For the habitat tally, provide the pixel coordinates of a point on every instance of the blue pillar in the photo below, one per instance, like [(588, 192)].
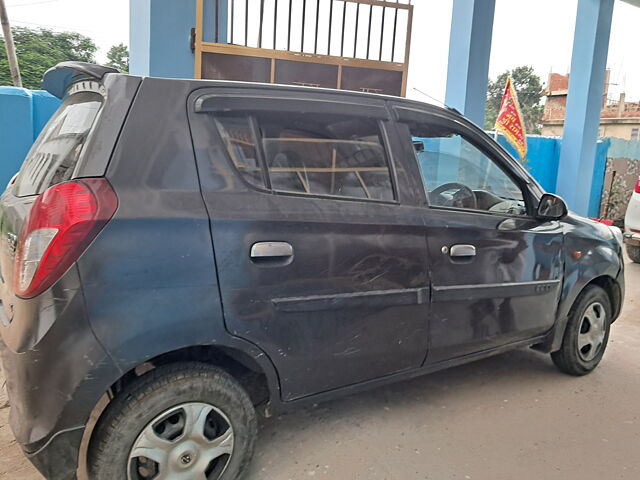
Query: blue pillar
[(586, 84), (160, 33), (469, 52)]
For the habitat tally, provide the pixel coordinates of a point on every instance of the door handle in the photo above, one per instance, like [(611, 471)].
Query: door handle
[(265, 250), (462, 251)]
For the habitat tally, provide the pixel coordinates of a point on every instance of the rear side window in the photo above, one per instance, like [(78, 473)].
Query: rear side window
[(313, 154), (325, 155), (54, 156), (238, 137)]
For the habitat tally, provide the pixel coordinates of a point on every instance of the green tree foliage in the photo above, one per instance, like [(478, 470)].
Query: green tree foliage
[(40, 49), (118, 57), (530, 92)]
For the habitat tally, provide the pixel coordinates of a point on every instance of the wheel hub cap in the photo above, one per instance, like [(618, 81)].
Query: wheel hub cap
[(193, 441), (592, 331)]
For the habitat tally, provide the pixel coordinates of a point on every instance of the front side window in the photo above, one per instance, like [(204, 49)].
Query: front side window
[(457, 174), (325, 155), (54, 156)]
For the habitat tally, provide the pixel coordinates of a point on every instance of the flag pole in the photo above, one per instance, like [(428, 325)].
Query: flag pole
[(11, 47)]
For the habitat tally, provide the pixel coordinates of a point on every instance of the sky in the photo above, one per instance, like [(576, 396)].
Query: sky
[(526, 32)]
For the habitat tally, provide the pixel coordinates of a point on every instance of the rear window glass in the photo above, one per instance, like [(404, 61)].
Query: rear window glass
[(54, 156)]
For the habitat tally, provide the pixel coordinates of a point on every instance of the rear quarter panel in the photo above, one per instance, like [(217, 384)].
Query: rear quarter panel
[(149, 278)]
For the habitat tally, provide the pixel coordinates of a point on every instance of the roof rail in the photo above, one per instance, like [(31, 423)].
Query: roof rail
[(57, 79)]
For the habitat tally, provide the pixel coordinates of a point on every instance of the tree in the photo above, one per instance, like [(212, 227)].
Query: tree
[(118, 57), (40, 49), (530, 91)]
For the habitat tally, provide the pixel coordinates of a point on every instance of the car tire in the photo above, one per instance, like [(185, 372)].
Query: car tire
[(634, 253), (587, 333), (178, 420)]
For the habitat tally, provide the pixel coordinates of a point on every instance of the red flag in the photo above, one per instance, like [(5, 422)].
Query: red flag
[(510, 121)]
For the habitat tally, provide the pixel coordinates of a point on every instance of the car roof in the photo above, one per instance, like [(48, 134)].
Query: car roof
[(58, 79)]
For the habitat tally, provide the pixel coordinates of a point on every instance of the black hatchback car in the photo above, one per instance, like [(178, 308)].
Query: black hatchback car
[(176, 253)]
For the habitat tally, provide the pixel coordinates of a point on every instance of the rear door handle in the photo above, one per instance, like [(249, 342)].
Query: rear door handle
[(264, 250), (462, 251)]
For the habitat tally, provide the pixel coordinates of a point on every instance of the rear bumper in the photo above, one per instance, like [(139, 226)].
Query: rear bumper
[(55, 383), (632, 239), (58, 459)]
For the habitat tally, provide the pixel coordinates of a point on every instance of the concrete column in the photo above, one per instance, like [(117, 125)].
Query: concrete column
[(160, 33), (584, 102), (469, 52), (621, 105)]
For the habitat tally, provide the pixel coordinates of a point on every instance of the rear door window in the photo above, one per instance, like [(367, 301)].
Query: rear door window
[(54, 156), (313, 154), (332, 155)]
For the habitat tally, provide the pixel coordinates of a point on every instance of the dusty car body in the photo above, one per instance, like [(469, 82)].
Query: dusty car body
[(215, 243)]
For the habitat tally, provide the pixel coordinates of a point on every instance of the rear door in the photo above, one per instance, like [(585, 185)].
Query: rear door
[(320, 264), (496, 271)]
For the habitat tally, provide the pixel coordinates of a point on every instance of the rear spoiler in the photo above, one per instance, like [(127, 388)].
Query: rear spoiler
[(57, 79)]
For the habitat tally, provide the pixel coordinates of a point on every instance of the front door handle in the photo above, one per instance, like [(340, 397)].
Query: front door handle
[(462, 251), (264, 250)]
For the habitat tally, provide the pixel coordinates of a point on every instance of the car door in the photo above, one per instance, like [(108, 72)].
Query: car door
[(496, 271), (319, 262)]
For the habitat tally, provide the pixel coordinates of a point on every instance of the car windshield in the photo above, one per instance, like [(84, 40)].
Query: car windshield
[(54, 156)]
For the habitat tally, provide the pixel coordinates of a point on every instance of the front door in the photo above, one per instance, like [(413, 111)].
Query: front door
[(496, 271), (319, 263)]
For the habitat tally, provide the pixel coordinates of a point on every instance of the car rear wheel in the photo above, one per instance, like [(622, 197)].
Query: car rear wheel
[(587, 333), (180, 422), (634, 253)]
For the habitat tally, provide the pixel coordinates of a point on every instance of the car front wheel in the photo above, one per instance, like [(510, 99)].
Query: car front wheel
[(587, 333), (180, 422)]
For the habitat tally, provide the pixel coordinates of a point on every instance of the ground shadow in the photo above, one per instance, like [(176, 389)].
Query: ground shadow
[(520, 365)]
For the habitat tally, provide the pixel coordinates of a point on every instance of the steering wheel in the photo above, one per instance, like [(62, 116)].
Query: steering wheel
[(463, 198)]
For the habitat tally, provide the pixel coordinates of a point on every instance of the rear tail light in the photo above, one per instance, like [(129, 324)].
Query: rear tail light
[(638, 185), (63, 221)]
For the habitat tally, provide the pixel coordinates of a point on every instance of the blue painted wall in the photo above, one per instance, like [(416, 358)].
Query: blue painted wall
[(619, 148), (597, 183), (543, 160), (23, 113)]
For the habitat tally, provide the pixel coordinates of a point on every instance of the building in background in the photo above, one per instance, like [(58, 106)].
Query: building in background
[(618, 118)]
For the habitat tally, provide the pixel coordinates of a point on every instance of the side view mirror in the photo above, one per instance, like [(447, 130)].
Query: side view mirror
[(551, 207), (418, 146)]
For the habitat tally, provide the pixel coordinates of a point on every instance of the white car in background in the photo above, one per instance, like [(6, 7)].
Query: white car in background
[(632, 225)]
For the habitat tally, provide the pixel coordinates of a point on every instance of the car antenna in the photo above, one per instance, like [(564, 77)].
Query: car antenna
[(439, 102)]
